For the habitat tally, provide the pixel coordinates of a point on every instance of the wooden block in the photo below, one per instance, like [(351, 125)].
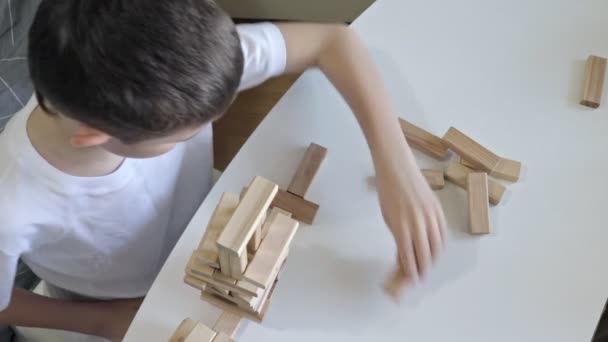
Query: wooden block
[(183, 330), (307, 170), (221, 337), (271, 216), (228, 323), (207, 249), (507, 169), (247, 216), (195, 282), (458, 173), (226, 296), (595, 72), (225, 262), (238, 264), (470, 150), (230, 307), (468, 164), (478, 203), (200, 333), (264, 267), (301, 209), (423, 141), (256, 239), (435, 178), (218, 280)]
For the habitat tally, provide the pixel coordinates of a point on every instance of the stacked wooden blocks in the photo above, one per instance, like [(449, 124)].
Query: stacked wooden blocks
[(472, 173), (237, 263)]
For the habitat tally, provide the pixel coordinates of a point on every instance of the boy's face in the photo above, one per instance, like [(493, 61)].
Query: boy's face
[(152, 147)]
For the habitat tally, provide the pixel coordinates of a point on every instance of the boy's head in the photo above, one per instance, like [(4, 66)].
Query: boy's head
[(137, 76)]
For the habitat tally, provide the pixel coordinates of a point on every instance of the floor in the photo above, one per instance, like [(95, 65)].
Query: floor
[(249, 109)]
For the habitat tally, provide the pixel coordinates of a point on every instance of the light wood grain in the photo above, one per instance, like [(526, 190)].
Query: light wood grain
[(183, 330), (595, 74), (271, 216), (221, 337), (423, 141), (200, 333), (458, 173), (307, 170), (264, 267), (301, 209), (207, 251), (195, 282), (228, 323), (479, 216), (435, 178), (470, 150), (507, 169)]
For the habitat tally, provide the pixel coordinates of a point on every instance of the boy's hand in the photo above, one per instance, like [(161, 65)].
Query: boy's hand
[(118, 317), (415, 218)]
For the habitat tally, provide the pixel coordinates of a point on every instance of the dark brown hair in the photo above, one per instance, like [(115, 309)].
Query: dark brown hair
[(135, 69)]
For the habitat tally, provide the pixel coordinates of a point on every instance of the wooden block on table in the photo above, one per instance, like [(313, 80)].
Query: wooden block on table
[(225, 296), (183, 330), (228, 323), (479, 215), (207, 251), (271, 216), (507, 169), (225, 260), (470, 150), (221, 337), (201, 333), (458, 173), (238, 264), (307, 170), (241, 226), (218, 280), (435, 178), (424, 141), (266, 263), (595, 73), (301, 209), (256, 239)]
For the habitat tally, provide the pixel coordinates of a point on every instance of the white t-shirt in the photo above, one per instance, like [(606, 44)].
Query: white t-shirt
[(107, 237)]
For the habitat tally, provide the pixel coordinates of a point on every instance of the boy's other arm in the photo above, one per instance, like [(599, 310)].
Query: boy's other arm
[(410, 209), (109, 319)]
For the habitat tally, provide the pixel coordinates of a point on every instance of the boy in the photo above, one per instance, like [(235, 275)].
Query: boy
[(105, 166)]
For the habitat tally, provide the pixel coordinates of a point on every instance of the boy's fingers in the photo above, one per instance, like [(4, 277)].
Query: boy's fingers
[(421, 246), (407, 256), (396, 282), (435, 239)]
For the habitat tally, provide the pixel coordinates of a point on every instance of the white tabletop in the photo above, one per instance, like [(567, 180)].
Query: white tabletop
[(508, 73)]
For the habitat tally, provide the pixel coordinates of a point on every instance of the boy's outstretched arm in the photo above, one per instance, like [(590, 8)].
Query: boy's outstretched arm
[(410, 209), (109, 319)]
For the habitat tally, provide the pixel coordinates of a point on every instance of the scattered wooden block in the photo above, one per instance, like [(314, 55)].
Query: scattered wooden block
[(478, 203), (217, 280), (301, 209), (595, 72), (481, 157), (183, 330), (424, 141), (240, 228), (435, 178), (507, 169), (264, 267), (458, 173), (307, 170), (228, 323), (200, 333), (468, 164), (207, 251)]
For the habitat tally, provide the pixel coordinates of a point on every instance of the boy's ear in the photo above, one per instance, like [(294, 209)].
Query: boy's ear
[(86, 136)]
